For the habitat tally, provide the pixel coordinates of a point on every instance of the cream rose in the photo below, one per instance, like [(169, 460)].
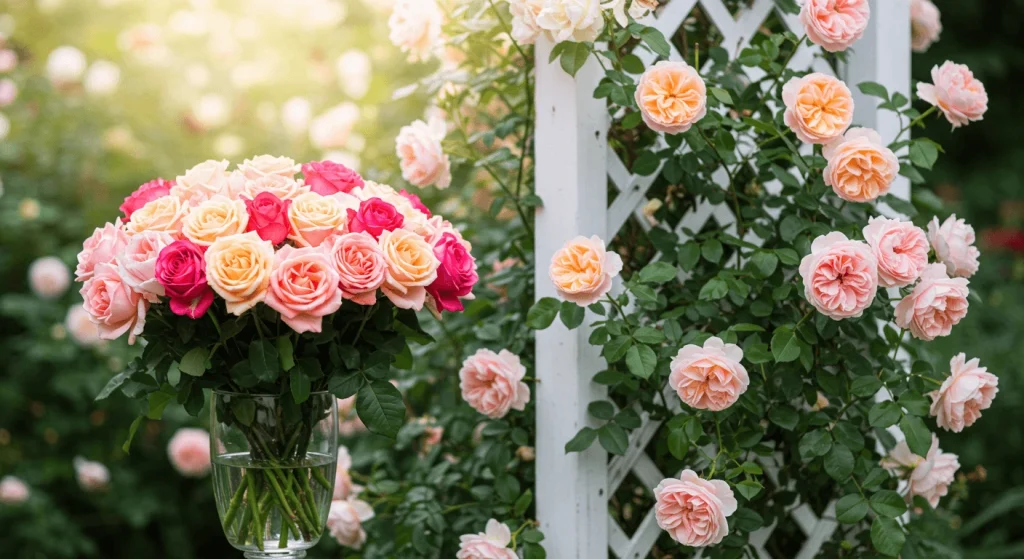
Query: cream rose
[(956, 92), (202, 182), (576, 20), (925, 24), (492, 383), (264, 165), (314, 218), (672, 97), (238, 268), (709, 377), (422, 159), (411, 267), (163, 214), (215, 218), (282, 187), (415, 27)]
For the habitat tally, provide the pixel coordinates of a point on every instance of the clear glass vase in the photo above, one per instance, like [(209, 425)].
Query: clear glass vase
[(273, 470)]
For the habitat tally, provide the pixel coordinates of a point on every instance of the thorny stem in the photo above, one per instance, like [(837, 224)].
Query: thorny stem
[(931, 110)]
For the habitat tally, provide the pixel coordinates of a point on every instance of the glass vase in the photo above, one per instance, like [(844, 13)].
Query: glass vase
[(274, 463)]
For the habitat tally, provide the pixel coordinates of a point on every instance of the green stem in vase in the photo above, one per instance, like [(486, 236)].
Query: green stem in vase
[(318, 476), (282, 542), (243, 530), (236, 501), (283, 501), (254, 503)]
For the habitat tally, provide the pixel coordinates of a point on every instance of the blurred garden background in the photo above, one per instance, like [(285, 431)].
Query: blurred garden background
[(99, 96)]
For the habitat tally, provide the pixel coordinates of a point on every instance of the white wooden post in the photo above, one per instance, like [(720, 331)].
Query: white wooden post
[(571, 171)]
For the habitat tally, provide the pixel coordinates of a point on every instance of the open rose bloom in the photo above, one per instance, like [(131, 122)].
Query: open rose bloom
[(840, 276), (928, 476), (693, 510), (709, 377), (582, 270), (819, 108), (835, 25), (936, 304), (968, 390), (956, 92), (492, 543)]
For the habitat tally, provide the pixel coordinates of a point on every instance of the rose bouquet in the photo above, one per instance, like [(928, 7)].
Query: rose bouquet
[(278, 293)]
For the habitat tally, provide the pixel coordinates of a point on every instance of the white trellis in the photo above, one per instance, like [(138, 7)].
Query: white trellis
[(574, 165)]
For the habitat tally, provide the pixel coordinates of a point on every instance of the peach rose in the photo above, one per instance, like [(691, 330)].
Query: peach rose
[(925, 24), (956, 92), (415, 27), (692, 510), (953, 242), (162, 214), (929, 477), (900, 248), (860, 167), (422, 159), (238, 268), (969, 389), (314, 217), (343, 487), (524, 20), (264, 165), (492, 543), (411, 267), (840, 276), (819, 108), (835, 25), (935, 305), (92, 476), (345, 521), (709, 378), (81, 327), (137, 264), (282, 187), (303, 288), (492, 383), (215, 218), (105, 245), (582, 270), (112, 304), (202, 182), (13, 491), (189, 452), (48, 277), (672, 97), (360, 264)]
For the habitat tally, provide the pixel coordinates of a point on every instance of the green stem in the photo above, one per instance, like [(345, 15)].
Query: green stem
[(916, 121), (318, 476), (236, 501), (254, 500), (283, 501), (282, 541)]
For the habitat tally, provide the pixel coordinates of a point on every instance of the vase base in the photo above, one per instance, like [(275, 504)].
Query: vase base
[(283, 554)]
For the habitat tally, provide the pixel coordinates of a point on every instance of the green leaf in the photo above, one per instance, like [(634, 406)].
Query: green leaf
[(613, 438), (888, 504), (542, 313), (641, 360), (656, 41), (865, 386), (648, 335), (507, 488), (194, 362), (914, 403), (887, 536), (299, 384), (310, 366), (788, 256), (285, 352), (380, 406), (632, 64), (757, 354), (712, 251), (658, 272), (721, 94), (571, 314), (785, 345), (884, 414), (784, 416), (112, 385), (814, 444), (848, 435), (678, 443), (923, 153), (157, 402), (126, 447), (522, 503), (714, 289), (615, 349), (244, 410), (601, 409), (748, 488), (581, 441), (693, 428), (839, 463), (919, 439), (574, 56), (688, 254), (874, 89), (851, 509), (263, 360), (344, 386), (764, 263)]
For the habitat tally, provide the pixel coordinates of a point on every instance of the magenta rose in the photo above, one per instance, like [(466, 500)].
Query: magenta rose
[(157, 188), (456, 275), (268, 217), (181, 269), (415, 201), (327, 177), (374, 216)]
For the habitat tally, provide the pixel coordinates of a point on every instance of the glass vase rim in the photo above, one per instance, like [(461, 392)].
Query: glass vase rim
[(263, 395)]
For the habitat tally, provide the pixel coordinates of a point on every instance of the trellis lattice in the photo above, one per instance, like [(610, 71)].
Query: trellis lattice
[(574, 161)]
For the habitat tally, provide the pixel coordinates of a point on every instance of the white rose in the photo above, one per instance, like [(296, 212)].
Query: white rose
[(331, 129), (65, 66), (577, 20), (416, 27), (102, 78), (423, 160), (354, 73)]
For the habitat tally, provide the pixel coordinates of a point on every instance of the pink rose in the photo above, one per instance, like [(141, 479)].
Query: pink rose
[(48, 277), (105, 245), (327, 177), (81, 327), (929, 477), (956, 93), (489, 544), (422, 157), (137, 265), (345, 521), (935, 305), (835, 25), (953, 242), (492, 383), (582, 270), (8, 92), (456, 275), (900, 248), (693, 510), (92, 476), (157, 188), (840, 276), (709, 378), (969, 389), (112, 305), (268, 217), (343, 487), (303, 288), (189, 451), (13, 491), (374, 216), (181, 270), (415, 201), (925, 24), (360, 265), (8, 60)]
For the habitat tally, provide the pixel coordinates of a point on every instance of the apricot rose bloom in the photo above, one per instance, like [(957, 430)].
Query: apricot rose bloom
[(693, 510), (925, 24), (835, 25), (956, 92), (314, 218), (238, 268), (901, 249), (860, 167), (819, 108), (412, 266), (422, 158), (492, 543), (217, 217), (113, 305), (709, 377), (929, 476), (303, 288), (936, 304), (189, 452), (492, 383), (582, 270), (840, 276), (162, 214), (970, 388), (672, 97), (953, 242)]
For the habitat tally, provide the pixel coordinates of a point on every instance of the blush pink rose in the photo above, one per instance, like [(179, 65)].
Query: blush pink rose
[(901, 249), (819, 108), (13, 491), (956, 92), (81, 327), (105, 245), (492, 543), (970, 388), (137, 265), (48, 277), (422, 158), (181, 270), (327, 177), (929, 477), (343, 487), (112, 305), (456, 275), (693, 510), (835, 25), (709, 377), (268, 217), (345, 521), (374, 217), (582, 270), (860, 167), (935, 305), (925, 24), (840, 276), (953, 242), (8, 92), (415, 201), (92, 476), (189, 451), (360, 264), (157, 188), (303, 288), (492, 383)]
